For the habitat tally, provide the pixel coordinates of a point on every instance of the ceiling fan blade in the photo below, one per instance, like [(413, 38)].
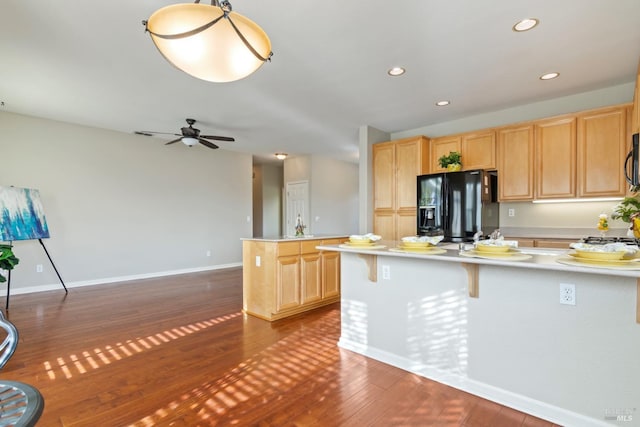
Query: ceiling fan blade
[(151, 133), (218, 138), (207, 143), (174, 141)]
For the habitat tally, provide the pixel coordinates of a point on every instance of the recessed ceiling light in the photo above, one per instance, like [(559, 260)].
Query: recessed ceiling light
[(549, 76), (443, 103), (525, 25), (396, 71), (281, 156)]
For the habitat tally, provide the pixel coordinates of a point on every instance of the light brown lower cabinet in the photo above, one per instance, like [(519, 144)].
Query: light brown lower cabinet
[(283, 278), (524, 242)]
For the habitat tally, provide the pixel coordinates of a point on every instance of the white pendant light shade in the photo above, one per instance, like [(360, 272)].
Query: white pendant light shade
[(200, 40)]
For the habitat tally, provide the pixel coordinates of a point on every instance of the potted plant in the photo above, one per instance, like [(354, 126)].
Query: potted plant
[(452, 161), (7, 260), (628, 210)]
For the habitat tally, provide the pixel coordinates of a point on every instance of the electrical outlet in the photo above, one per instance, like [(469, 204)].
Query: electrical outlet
[(512, 212), (208, 253), (386, 272), (257, 260), (567, 293), (39, 268)]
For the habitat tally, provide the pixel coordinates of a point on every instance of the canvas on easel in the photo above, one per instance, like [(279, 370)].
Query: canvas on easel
[(21, 215), (22, 218)]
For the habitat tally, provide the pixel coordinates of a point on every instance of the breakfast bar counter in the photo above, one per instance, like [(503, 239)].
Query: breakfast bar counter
[(495, 327)]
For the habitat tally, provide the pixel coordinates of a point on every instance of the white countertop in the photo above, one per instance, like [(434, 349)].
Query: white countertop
[(290, 238), (542, 259)]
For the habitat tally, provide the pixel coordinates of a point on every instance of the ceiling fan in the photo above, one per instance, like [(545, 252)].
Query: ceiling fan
[(190, 136)]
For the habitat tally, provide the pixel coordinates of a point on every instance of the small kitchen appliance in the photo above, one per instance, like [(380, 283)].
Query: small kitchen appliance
[(632, 175)]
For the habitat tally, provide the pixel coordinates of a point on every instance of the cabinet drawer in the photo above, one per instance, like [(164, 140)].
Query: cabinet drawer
[(554, 243), (309, 246), (288, 248), (334, 241)]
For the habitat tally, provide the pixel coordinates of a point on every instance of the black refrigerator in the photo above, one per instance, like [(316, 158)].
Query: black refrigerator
[(458, 204)]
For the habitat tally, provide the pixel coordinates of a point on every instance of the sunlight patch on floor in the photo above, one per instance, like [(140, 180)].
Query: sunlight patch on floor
[(87, 360)]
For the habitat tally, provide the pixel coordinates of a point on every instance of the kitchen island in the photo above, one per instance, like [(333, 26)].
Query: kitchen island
[(283, 276), (496, 328)]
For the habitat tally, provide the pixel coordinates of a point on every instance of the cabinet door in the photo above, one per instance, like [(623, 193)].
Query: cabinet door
[(515, 163), (384, 224), (384, 172), (408, 159), (601, 153), (406, 223), (310, 278), (556, 158), (442, 146), (287, 282), (330, 274), (479, 150), (553, 244)]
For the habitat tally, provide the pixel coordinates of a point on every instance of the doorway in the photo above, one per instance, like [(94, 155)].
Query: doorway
[(297, 203)]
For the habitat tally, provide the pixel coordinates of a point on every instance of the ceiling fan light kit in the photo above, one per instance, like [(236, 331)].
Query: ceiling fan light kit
[(187, 140), (209, 42)]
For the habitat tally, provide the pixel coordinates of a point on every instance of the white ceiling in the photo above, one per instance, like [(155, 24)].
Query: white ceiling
[(91, 63)]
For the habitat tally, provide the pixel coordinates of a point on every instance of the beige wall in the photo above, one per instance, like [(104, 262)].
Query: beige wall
[(333, 192), (267, 200), (121, 205)]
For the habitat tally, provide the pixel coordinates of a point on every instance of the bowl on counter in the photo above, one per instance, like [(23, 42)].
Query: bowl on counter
[(600, 255), (495, 246), (420, 242), (607, 252), (363, 240)]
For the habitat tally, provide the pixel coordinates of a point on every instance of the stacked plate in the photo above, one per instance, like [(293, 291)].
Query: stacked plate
[(419, 244), (614, 254), (498, 248), (363, 241)]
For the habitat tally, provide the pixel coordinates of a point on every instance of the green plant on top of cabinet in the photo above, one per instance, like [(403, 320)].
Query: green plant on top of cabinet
[(478, 150), (440, 147)]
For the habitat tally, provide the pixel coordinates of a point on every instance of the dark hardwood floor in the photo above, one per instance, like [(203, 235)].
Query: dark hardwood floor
[(178, 351)]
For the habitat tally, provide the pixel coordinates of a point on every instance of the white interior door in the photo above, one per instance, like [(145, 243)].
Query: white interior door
[(297, 201)]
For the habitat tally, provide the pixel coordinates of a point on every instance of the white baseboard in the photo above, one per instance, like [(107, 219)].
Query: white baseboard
[(516, 401), (103, 281)]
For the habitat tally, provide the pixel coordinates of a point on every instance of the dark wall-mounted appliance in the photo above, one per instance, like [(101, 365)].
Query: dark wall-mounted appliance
[(631, 168), (458, 204)]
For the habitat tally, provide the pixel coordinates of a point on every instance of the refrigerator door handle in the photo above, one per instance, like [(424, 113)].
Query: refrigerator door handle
[(445, 204)]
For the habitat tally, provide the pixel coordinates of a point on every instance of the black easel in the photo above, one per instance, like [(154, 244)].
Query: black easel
[(52, 264)]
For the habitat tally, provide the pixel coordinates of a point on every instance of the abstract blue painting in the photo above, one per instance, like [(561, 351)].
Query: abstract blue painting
[(21, 215)]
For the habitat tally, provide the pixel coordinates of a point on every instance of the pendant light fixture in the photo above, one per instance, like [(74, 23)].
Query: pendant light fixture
[(209, 42)]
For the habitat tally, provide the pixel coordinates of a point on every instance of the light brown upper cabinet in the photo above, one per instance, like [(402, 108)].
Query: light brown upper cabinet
[(478, 150), (443, 146), (515, 163), (384, 171), (602, 145), (396, 166), (555, 150)]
